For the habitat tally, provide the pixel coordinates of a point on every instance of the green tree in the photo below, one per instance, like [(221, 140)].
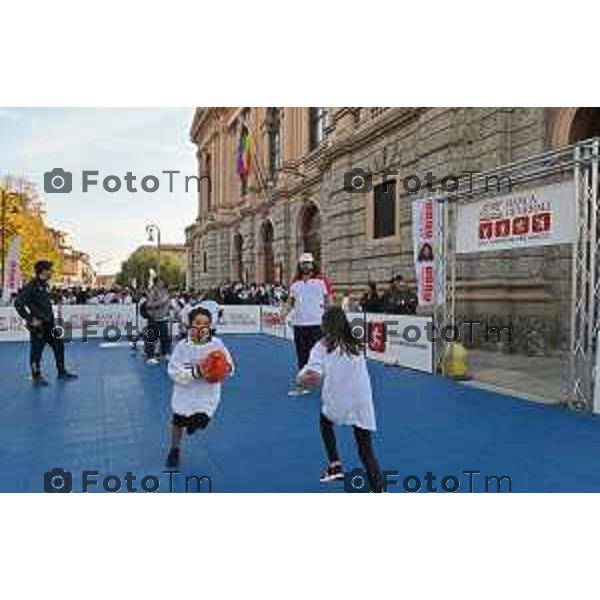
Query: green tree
[(138, 265)]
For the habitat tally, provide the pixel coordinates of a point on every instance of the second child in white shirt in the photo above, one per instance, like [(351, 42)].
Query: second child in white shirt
[(338, 363)]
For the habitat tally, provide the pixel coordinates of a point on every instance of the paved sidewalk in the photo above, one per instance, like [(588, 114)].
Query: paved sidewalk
[(538, 378)]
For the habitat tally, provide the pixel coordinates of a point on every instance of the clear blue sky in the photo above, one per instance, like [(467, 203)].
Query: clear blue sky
[(145, 141)]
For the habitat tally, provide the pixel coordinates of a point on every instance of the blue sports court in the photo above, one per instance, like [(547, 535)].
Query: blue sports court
[(115, 420)]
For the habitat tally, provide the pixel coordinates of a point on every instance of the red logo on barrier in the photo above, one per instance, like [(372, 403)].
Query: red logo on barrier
[(520, 225), (377, 337), (541, 222), (503, 228), (486, 230)]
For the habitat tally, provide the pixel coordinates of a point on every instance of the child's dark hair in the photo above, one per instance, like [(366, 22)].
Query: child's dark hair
[(337, 332), (200, 310)]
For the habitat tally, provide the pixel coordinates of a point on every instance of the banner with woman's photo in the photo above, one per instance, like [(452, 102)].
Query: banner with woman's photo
[(425, 243)]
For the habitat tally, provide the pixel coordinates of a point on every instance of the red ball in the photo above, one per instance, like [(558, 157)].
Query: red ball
[(215, 368), (310, 378)]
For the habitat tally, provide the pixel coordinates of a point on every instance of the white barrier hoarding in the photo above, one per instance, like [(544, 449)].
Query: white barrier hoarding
[(95, 317), (392, 337), (239, 319), (11, 326), (93, 320), (537, 217), (401, 340), (272, 322)]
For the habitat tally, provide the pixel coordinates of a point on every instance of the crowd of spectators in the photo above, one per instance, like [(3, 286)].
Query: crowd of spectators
[(397, 299), (227, 293)]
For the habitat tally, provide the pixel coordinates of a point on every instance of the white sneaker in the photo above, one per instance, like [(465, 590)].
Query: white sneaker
[(332, 472), (298, 391), (153, 361)]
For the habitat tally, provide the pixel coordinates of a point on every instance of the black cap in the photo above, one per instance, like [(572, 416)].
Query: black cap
[(42, 265)]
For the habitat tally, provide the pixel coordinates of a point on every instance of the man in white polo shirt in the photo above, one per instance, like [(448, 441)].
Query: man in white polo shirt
[(309, 294)]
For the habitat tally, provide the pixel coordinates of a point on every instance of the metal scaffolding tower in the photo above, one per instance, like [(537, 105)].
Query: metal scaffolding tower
[(579, 163)]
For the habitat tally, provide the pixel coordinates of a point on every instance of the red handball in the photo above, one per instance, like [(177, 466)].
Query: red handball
[(215, 368), (309, 378)]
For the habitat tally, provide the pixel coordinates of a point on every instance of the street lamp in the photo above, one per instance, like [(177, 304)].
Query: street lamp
[(151, 230)]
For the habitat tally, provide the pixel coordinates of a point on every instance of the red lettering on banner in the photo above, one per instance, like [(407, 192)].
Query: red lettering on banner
[(273, 319), (427, 221), (427, 283)]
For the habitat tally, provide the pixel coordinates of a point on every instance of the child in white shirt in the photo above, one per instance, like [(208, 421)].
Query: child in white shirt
[(338, 362), (194, 399)]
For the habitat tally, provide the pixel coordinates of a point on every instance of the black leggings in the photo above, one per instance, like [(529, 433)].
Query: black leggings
[(39, 338), (365, 450), (305, 337)]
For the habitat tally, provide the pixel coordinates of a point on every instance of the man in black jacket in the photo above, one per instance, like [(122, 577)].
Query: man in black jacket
[(34, 306), (399, 300)]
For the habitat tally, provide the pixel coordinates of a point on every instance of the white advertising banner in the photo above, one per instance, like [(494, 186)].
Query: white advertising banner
[(536, 217), (11, 325), (272, 322), (424, 215), (239, 319), (96, 318), (394, 339), (401, 340)]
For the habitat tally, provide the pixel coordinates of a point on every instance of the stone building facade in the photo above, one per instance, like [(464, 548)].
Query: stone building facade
[(295, 198)]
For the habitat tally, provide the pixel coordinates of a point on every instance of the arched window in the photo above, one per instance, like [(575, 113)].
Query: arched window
[(310, 231), (585, 125)]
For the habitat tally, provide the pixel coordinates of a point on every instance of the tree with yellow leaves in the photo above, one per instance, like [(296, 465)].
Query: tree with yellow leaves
[(23, 216)]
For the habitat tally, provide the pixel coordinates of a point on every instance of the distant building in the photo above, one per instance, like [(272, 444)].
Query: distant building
[(76, 268), (106, 281)]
